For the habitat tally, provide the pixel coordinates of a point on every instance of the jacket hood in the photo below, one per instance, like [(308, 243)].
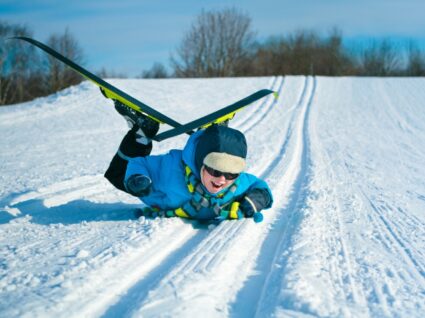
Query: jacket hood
[(189, 153)]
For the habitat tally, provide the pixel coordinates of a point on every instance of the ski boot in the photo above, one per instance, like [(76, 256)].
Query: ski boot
[(146, 127)]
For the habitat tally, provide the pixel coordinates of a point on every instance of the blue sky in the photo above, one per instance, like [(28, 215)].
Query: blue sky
[(129, 35)]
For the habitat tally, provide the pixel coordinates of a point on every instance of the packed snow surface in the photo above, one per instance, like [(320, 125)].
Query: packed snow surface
[(344, 157)]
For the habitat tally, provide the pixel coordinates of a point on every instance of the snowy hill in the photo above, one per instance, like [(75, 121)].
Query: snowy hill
[(345, 158)]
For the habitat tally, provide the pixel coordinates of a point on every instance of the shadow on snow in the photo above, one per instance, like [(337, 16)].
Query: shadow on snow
[(72, 212)]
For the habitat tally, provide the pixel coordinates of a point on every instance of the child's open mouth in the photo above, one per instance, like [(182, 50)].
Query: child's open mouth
[(216, 186)]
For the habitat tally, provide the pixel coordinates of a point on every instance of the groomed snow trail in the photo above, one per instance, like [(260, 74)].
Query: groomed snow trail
[(345, 237)]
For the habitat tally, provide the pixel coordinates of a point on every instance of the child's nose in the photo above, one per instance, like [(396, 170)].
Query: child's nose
[(221, 179)]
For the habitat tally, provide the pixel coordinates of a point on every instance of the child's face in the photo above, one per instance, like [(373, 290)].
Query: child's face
[(214, 184)]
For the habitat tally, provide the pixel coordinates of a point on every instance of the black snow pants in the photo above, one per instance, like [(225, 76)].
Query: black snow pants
[(129, 148)]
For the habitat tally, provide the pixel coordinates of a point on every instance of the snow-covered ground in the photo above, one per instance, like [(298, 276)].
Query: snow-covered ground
[(345, 158)]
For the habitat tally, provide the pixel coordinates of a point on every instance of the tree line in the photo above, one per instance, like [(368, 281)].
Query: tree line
[(25, 73), (222, 43), (218, 44)]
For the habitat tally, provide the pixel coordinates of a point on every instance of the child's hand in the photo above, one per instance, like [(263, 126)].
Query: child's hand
[(138, 185), (254, 201)]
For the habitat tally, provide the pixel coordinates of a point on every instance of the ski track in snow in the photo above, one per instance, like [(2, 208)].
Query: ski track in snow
[(71, 248), (293, 180)]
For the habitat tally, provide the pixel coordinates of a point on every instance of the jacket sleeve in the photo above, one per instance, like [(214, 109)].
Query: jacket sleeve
[(138, 165), (157, 168), (149, 166)]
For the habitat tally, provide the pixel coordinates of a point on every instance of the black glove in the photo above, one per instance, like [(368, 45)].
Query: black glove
[(138, 185), (254, 201)]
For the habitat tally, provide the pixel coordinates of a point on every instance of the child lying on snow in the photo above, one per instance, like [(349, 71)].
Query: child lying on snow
[(204, 181)]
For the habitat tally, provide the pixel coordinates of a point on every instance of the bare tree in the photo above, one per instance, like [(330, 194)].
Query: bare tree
[(381, 59), (156, 71), (18, 64), (217, 44), (106, 73), (415, 61), (333, 59), (302, 52), (26, 74), (5, 78), (59, 76)]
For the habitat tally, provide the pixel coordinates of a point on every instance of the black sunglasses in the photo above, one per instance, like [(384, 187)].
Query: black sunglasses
[(217, 174)]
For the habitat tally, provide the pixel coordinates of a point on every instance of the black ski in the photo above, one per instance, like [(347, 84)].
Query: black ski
[(227, 113)]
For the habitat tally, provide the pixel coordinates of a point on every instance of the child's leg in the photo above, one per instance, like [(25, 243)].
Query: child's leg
[(137, 143), (129, 148)]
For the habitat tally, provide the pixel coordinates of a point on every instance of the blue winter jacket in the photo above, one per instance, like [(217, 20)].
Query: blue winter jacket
[(167, 172)]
